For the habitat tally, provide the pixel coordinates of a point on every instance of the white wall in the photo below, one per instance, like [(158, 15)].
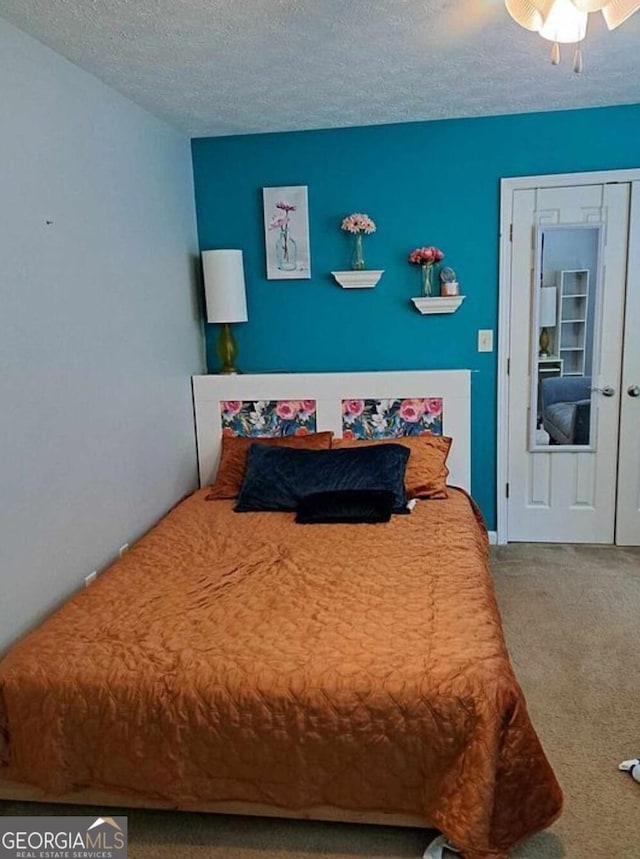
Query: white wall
[(99, 326)]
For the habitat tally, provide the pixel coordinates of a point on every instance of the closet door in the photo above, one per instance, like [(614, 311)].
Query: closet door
[(628, 503), (568, 271)]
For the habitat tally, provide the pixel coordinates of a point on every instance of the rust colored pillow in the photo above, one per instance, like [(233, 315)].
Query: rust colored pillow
[(233, 458), (426, 474)]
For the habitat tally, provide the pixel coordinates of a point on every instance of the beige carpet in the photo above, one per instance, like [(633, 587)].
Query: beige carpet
[(572, 620)]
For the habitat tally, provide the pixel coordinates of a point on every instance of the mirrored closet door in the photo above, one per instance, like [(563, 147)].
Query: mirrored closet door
[(570, 466)]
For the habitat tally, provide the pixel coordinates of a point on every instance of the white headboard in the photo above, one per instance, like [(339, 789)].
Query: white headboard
[(328, 390)]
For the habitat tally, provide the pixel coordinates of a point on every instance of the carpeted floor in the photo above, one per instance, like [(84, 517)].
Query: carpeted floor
[(572, 620)]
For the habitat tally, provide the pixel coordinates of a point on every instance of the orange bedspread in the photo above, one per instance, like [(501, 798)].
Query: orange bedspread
[(244, 657)]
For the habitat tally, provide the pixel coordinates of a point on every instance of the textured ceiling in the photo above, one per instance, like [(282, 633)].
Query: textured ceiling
[(217, 67)]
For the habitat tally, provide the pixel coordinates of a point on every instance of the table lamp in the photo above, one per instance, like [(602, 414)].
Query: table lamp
[(548, 309), (226, 299)]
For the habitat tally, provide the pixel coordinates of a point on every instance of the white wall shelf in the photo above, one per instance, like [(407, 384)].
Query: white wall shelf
[(357, 279), (574, 306), (438, 304)]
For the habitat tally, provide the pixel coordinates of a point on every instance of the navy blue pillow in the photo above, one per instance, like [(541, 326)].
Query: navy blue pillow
[(346, 505), (276, 478)]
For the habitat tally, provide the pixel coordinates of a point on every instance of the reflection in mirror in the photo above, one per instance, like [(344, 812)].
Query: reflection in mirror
[(564, 321)]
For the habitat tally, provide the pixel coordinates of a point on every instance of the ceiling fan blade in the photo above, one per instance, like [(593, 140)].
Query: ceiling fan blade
[(530, 14), (616, 12), (590, 5)]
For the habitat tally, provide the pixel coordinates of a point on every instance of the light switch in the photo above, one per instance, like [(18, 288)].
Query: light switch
[(485, 340)]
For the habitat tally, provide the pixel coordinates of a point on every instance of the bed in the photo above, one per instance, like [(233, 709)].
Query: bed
[(245, 663)]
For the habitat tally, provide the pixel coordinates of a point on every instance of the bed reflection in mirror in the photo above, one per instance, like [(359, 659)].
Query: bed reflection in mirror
[(564, 335)]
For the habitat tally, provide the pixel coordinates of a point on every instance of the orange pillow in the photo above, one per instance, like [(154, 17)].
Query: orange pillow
[(426, 474), (233, 458)]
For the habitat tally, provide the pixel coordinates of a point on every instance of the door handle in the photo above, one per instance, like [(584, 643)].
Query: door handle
[(608, 391), (633, 390)]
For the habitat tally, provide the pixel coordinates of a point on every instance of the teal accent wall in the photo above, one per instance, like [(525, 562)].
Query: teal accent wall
[(423, 183)]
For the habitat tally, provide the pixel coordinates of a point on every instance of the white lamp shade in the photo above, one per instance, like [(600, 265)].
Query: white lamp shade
[(548, 303), (224, 286)]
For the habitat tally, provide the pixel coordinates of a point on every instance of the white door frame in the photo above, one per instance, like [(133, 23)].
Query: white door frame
[(507, 187)]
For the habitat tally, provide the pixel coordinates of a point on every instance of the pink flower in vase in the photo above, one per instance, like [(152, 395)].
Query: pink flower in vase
[(358, 223), (426, 256)]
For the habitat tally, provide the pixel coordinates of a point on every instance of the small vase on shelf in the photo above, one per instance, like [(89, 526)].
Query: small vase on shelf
[(358, 225), (357, 262), (427, 281)]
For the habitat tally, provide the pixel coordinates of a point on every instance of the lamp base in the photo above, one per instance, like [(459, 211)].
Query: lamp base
[(543, 343), (227, 351)]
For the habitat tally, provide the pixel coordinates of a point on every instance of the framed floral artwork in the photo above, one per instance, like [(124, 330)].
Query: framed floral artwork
[(286, 232), (369, 419), (267, 418)]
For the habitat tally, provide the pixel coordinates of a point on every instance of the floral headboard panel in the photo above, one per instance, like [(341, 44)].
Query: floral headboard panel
[(369, 419), (361, 405), (267, 418)]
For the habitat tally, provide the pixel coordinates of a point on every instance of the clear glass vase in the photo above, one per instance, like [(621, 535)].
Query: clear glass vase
[(427, 281), (286, 251), (357, 262)]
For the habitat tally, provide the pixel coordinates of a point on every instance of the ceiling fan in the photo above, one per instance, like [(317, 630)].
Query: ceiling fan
[(565, 21)]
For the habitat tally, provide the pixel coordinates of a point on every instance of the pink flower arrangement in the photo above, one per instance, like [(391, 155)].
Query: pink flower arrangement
[(231, 407), (358, 223), (426, 256)]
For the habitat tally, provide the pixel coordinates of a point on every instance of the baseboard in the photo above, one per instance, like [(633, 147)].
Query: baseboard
[(493, 538)]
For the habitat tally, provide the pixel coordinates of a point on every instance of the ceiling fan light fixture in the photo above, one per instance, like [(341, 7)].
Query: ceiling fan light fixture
[(564, 23), (536, 15), (555, 20)]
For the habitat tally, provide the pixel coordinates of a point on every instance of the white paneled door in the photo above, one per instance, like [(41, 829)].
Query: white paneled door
[(628, 502), (565, 382)]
